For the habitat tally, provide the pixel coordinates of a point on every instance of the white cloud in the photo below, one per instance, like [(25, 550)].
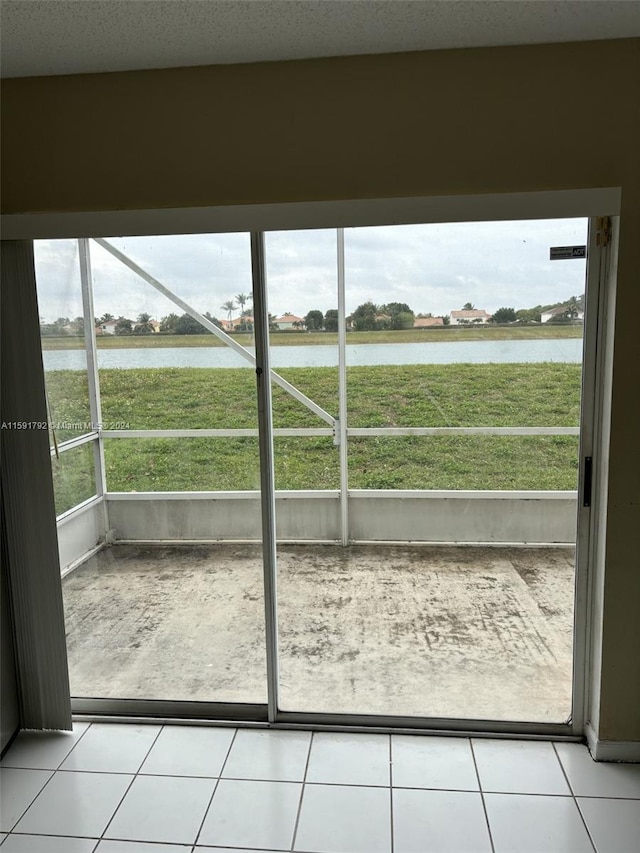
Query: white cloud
[(434, 268)]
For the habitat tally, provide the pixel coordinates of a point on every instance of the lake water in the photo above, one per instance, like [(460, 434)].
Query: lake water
[(450, 352)]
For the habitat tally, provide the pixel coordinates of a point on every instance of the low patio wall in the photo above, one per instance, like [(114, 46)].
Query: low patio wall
[(374, 516), (80, 530)]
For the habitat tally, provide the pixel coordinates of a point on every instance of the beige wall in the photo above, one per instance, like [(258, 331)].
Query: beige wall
[(446, 122)]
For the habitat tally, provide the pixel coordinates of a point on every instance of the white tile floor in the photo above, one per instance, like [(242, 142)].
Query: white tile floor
[(110, 788)]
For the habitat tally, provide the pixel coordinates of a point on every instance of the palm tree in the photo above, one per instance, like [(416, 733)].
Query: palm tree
[(242, 299), (143, 325), (229, 306), (572, 308)]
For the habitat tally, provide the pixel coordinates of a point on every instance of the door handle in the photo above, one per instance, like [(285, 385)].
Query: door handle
[(588, 478)]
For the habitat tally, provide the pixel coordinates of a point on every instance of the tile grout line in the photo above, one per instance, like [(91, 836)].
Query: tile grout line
[(271, 781), (129, 786), (215, 788), (41, 770), (54, 769), (582, 818), (601, 797), (74, 746), (574, 798), (192, 846), (302, 790), (484, 805), (22, 814), (319, 784)]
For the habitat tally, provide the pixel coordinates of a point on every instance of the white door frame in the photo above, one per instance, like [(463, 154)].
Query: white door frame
[(598, 202)]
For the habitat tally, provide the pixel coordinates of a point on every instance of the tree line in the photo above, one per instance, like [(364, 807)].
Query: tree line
[(367, 317), (172, 324), (573, 307)]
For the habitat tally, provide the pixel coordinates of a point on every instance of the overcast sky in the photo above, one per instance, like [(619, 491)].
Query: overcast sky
[(433, 268)]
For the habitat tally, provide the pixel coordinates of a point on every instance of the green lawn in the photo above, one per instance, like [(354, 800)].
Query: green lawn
[(295, 338), (73, 477), (541, 394), (455, 395)]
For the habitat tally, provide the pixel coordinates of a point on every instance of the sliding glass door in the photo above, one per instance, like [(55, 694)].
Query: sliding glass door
[(433, 573), (173, 608), (326, 475)]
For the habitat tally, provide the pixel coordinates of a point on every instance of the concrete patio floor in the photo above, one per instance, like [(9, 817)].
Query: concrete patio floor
[(443, 631)]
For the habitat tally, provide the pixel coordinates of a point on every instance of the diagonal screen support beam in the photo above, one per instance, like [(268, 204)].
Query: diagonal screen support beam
[(211, 327)]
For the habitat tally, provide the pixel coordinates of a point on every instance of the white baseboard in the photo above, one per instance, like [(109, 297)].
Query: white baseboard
[(611, 750)]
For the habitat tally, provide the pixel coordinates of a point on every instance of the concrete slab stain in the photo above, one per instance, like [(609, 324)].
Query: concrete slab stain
[(425, 630)]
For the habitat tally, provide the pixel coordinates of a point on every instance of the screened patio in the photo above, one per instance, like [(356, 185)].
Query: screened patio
[(428, 602), (422, 631)]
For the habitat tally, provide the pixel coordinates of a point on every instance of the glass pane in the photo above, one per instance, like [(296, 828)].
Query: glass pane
[(159, 367), (209, 271), (302, 298), (495, 462), (73, 477), (543, 394), (306, 463), (181, 464), (179, 398), (449, 325), (302, 301), (182, 622), (185, 620), (318, 383), (62, 335), (426, 631)]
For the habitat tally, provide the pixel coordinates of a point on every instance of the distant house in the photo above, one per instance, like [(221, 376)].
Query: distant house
[(108, 328), (236, 323), (287, 321), (426, 322), (475, 316), (155, 325), (545, 316)]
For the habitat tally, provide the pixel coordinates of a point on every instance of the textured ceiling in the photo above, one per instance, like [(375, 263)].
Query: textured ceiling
[(80, 36)]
